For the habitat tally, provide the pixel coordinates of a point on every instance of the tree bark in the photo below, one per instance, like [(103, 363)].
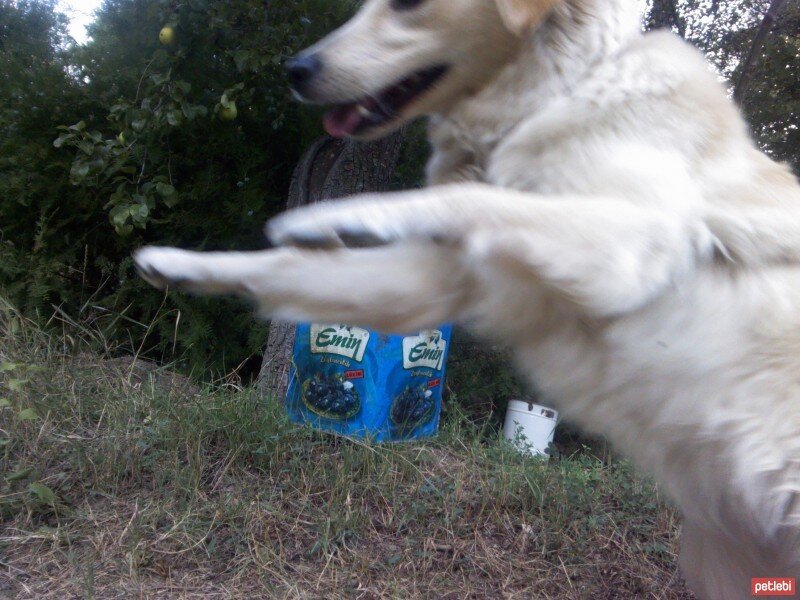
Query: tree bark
[(664, 14), (329, 169), (755, 50)]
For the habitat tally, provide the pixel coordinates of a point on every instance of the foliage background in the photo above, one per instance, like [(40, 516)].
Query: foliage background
[(119, 143), (145, 158)]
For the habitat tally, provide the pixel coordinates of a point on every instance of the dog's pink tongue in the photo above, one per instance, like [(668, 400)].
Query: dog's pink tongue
[(343, 121)]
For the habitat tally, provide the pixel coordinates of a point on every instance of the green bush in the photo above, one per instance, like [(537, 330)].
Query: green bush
[(125, 142)]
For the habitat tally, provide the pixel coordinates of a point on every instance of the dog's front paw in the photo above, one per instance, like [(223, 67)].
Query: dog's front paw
[(354, 223), (165, 267), (361, 222)]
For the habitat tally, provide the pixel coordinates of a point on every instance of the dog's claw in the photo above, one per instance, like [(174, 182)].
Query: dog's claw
[(148, 272), (361, 238), (145, 261), (310, 241), (279, 234), (362, 222), (307, 229)]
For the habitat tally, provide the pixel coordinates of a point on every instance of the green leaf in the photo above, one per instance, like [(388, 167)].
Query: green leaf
[(174, 117), (20, 474), (62, 139), (241, 58), (79, 171), (29, 414), (192, 111), (86, 147), (159, 78), (138, 124), (165, 189), (119, 215), (43, 493), (8, 366), (5, 403), (16, 384), (140, 213)]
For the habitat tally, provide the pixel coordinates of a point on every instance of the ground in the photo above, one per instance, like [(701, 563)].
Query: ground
[(121, 480)]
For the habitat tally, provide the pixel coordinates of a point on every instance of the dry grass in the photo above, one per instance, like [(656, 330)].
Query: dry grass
[(164, 490)]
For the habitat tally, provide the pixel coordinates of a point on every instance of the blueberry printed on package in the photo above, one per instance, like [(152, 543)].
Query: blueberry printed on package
[(331, 397), (358, 382), (413, 407)]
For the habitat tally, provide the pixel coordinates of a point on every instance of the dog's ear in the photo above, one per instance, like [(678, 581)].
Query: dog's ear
[(520, 16)]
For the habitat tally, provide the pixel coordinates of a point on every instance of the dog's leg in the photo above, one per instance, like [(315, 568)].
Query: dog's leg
[(449, 250), (608, 256), (718, 564), (404, 287)]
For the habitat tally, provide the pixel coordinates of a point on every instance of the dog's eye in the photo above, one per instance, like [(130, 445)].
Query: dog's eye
[(406, 4)]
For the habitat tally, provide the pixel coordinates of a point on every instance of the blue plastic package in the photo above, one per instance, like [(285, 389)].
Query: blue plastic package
[(361, 383)]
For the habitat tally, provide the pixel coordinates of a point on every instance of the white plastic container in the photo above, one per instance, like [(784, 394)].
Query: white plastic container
[(530, 427)]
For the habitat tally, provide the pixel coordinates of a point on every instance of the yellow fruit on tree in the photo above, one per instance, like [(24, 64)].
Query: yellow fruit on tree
[(229, 112), (166, 36)]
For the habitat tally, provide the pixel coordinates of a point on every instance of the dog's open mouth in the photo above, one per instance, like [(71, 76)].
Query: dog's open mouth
[(374, 111)]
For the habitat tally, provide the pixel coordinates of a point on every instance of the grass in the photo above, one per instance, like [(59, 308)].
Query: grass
[(120, 480)]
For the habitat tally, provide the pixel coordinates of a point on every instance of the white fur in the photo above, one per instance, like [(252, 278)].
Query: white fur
[(607, 217)]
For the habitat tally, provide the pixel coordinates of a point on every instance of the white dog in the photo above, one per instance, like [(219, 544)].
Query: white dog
[(596, 204)]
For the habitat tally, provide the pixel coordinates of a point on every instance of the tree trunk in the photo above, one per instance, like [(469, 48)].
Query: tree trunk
[(755, 51), (664, 15), (329, 169)]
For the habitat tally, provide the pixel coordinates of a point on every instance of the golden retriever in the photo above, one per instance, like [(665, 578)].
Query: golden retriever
[(596, 204)]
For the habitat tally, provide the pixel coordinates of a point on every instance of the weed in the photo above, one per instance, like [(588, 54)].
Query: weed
[(116, 480)]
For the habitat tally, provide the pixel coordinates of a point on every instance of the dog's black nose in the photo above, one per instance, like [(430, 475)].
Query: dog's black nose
[(302, 69)]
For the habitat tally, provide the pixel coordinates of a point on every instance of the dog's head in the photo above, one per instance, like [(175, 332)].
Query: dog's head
[(400, 59)]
